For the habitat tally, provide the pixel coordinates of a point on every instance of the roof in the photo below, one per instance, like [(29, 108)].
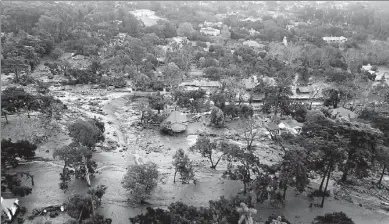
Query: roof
[(202, 83), (272, 126), (290, 124), (177, 119), (335, 38), (269, 80), (305, 89), (249, 84), (342, 112), (253, 43)]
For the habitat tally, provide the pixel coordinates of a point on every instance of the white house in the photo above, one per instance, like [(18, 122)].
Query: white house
[(253, 43), (368, 68), (210, 31), (331, 39), (291, 126)]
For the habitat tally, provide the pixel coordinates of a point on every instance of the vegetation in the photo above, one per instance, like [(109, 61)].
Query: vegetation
[(206, 148), (11, 154), (183, 166), (140, 180), (270, 70)]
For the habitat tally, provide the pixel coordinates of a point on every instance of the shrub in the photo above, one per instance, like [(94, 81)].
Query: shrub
[(183, 166), (118, 82), (140, 180), (24, 80), (57, 53), (217, 117), (333, 218), (246, 111)]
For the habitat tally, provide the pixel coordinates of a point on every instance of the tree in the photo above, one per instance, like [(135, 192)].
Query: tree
[(246, 111), (157, 102), (140, 180), (172, 74), (206, 148), (277, 99), (183, 165), (16, 65), (13, 99), (246, 214), (333, 218), (362, 142), (251, 132), (383, 158), (219, 99), (217, 117), (219, 211), (82, 207), (294, 171), (11, 153), (57, 53), (141, 81), (77, 161), (248, 164), (185, 29), (326, 147), (85, 133)]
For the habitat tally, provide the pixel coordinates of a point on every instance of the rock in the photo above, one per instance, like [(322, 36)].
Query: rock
[(360, 205), (47, 151), (120, 150)]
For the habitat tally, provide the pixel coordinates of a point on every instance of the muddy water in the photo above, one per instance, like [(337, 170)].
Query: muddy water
[(111, 167)]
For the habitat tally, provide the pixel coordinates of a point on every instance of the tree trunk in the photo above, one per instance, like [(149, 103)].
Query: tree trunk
[(217, 162), (79, 218), (86, 172), (212, 165), (284, 194), (345, 174), (325, 189), (6, 119), (16, 75), (382, 175), (322, 181), (175, 173)]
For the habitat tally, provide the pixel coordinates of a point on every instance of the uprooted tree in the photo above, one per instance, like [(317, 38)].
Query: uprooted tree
[(77, 156)]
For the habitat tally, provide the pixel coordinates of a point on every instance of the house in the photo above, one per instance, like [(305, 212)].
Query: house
[(9, 208), (250, 83), (337, 40), (78, 57), (254, 44), (256, 98), (211, 24), (253, 32), (343, 113), (270, 81), (143, 13), (367, 68), (304, 90), (291, 126), (208, 86), (210, 31), (177, 121)]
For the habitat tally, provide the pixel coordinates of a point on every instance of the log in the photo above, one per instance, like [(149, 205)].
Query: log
[(86, 172)]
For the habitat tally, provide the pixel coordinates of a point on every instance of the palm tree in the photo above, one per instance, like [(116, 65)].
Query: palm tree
[(246, 214)]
